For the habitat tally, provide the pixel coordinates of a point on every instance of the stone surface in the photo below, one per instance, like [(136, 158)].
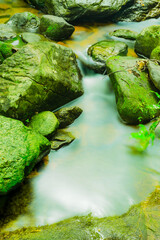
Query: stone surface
[(61, 138), (44, 123), (147, 40), (67, 115), (140, 222), (140, 10), (124, 33), (155, 54), (6, 32), (80, 10), (6, 50), (31, 37), (102, 50), (20, 149), (39, 77), (25, 21), (135, 100), (55, 28), (154, 73)]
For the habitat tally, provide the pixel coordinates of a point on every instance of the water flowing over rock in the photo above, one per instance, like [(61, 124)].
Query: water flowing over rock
[(135, 99), (39, 77), (20, 149)]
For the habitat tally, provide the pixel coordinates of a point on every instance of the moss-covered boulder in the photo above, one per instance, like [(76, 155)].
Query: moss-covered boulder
[(124, 33), (44, 123), (39, 77), (6, 50), (147, 40), (55, 28), (80, 10), (139, 10), (24, 21), (20, 149), (141, 222), (154, 73), (135, 99), (6, 32), (67, 115), (28, 37), (102, 50), (155, 54)]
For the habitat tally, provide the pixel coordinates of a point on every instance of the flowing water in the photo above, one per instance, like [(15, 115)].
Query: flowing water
[(98, 172)]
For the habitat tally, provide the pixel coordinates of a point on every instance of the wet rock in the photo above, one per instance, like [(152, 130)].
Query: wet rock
[(155, 54), (44, 123), (124, 33), (25, 21), (147, 40), (21, 148), (139, 11), (80, 10), (6, 50), (61, 138), (55, 28), (154, 73), (67, 115), (31, 37), (125, 227), (6, 32), (39, 77), (135, 100), (102, 50)]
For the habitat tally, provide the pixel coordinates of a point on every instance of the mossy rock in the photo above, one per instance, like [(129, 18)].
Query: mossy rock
[(25, 21), (102, 50), (67, 115), (39, 77), (6, 32), (28, 37), (124, 33), (6, 50), (154, 73), (141, 222), (44, 123), (155, 54), (136, 101), (55, 28), (147, 40), (21, 148)]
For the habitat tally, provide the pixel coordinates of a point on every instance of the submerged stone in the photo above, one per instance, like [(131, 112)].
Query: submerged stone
[(154, 73), (124, 33), (25, 21), (39, 77), (67, 115), (80, 10), (20, 149), (155, 54), (61, 138), (102, 50), (135, 99), (6, 32), (44, 123), (140, 222), (147, 40), (55, 28)]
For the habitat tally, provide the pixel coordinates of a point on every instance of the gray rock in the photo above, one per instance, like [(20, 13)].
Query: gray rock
[(6, 32), (67, 115), (25, 21), (55, 28), (20, 149), (147, 40), (154, 73), (39, 77), (61, 138)]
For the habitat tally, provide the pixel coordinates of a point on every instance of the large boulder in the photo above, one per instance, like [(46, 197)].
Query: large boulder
[(25, 21), (136, 101), (55, 28), (39, 77), (140, 10), (102, 50), (147, 40), (80, 10), (155, 54), (20, 149)]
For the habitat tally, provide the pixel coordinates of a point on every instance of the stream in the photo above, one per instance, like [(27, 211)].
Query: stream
[(97, 173)]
